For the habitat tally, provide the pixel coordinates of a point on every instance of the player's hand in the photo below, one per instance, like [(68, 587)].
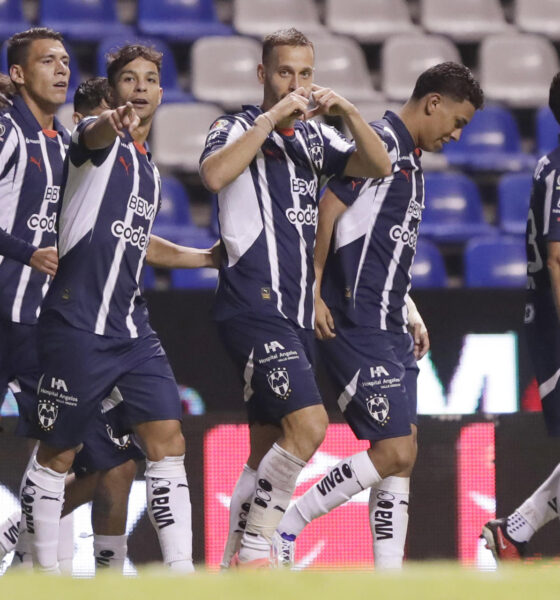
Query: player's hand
[(421, 339), (328, 102), (324, 323), (124, 117), (216, 255), (294, 105), (45, 260)]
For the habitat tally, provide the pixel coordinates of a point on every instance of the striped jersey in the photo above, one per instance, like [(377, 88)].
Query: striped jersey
[(110, 198), (367, 274), (31, 167), (543, 223), (268, 217)]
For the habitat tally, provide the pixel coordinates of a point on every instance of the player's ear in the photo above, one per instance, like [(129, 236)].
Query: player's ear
[(160, 95), (77, 117), (260, 72), (16, 74), (432, 101)]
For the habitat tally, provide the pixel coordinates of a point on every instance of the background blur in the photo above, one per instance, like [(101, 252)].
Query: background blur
[(469, 270)]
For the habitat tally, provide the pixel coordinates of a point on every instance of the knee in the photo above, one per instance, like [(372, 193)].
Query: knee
[(161, 439), (307, 432), (393, 456)]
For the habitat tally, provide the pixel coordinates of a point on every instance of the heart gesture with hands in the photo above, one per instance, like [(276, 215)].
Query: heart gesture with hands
[(328, 102)]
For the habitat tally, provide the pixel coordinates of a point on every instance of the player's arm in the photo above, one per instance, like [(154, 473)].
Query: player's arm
[(553, 264), (330, 208), (370, 159), (223, 166), (167, 255), (44, 260), (417, 329), (103, 131)]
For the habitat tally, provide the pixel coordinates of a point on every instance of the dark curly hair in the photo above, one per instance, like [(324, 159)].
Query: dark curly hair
[(121, 57)]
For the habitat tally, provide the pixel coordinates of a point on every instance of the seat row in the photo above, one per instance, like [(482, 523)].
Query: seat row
[(369, 21)]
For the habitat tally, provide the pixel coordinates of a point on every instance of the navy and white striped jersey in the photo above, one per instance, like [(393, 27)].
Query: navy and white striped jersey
[(110, 198), (543, 223), (268, 217), (368, 271), (31, 166)]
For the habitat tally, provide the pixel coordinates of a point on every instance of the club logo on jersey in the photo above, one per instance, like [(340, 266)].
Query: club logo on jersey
[(120, 442), (47, 412), (317, 156), (399, 234), (42, 223), (303, 187), (303, 216), (279, 381), (219, 124), (137, 237), (378, 408)]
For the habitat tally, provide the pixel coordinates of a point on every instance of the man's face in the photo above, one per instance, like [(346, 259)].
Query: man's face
[(445, 121), (138, 82), (287, 69), (45, 74)]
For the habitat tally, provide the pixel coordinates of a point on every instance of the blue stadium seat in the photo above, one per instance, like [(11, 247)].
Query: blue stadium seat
[(428, 269), (214, 223), (84, 21), (174, 208), (11, 18), (453, 209), (179, 21), (547, 131), (194, 278), (514, 194), (169, 79), (148, 278), (491, 142), (496, 262)]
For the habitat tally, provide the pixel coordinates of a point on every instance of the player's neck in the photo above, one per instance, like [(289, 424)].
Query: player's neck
[(408, 116), (140, 134), (43, 112)]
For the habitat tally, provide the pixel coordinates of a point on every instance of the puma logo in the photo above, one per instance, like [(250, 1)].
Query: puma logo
[(124, 163), (406, 173), (36, 162)]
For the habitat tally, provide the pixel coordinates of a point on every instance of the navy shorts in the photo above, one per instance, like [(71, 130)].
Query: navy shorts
[(275, 361), (79, 369), (375, 375), (543, 340)]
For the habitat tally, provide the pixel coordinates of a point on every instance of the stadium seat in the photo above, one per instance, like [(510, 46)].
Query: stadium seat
[(453, 209), (84, 21), (517, 69), (538, 16), (373, 111), (175, 21), (179, 134), (194, 278), (547, 131), (463, 21), (224, 71), (174, 208), (514, 194), (340, 64), (404, 57), (490, 142), (368, 21), (169, 78), (148, 278), (260, 17), (428, 268), (11, 18), (64, 115), (498, 261)]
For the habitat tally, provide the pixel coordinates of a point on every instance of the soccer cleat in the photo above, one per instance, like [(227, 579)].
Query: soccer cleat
[(284, 549), (502, 546)]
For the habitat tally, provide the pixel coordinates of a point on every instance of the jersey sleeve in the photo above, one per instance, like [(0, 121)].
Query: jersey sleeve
[(337, 151), (347, 189), (15, 248), (79, 153), (552, 206), (223, 131), (9, 146)]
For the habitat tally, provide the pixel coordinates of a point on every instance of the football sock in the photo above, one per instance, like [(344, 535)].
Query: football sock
[(275, 484), (348, 477), (238, 511), (388, 519), (169, 509), (540, 508), (66, 544), (42, 498), (9, 533), (109, 551)]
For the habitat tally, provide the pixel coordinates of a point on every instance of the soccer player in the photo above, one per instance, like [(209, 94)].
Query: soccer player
[(266, 164), (94, 333), (361, 312), (507, 537)]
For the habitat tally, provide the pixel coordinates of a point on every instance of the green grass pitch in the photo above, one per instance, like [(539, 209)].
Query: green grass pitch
[(421, 581)]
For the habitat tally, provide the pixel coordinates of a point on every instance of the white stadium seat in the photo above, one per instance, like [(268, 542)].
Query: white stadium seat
[(538, 16), (64, 115)]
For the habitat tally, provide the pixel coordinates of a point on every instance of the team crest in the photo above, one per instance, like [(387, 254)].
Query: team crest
[(317, 156), (120, 442), (378, 408), (279, 381), (47, 412)]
